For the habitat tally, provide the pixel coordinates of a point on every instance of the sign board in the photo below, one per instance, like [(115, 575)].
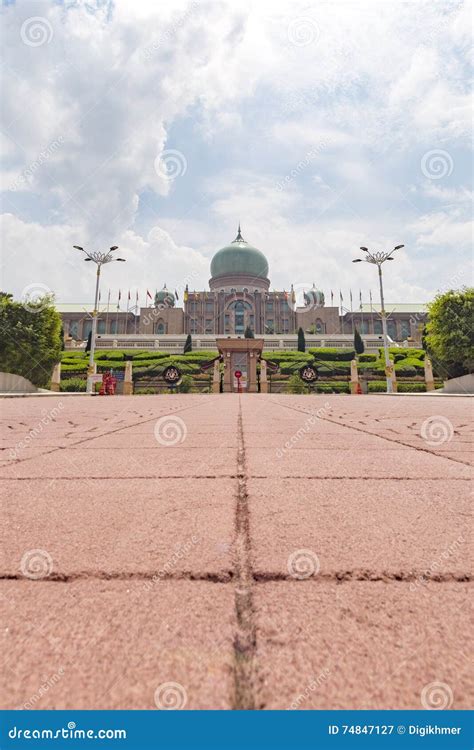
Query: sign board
[(97, 378), (238, 374)]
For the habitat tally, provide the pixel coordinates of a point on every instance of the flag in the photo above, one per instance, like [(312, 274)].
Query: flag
[(350, 296), (332, 298), (99, 295), (370, 297), (108, 298), (148, 294), (129, 298), (136, 296), (360, 299), (176, 294), (119, 295), (341, 298)]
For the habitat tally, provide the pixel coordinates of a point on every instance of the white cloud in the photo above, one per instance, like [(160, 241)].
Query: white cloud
[(246, 100)]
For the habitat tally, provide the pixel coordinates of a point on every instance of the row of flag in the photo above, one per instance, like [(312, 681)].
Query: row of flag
[(148, 295), (341, 298), (205, 295)]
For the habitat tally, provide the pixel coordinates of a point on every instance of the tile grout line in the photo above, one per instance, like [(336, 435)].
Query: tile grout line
[(245, 637)]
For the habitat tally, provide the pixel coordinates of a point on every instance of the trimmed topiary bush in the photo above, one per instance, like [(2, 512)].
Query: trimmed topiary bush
[(333, 354), (73, 385)]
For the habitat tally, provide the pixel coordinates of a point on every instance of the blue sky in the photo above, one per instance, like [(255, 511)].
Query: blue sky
[(320, 126)]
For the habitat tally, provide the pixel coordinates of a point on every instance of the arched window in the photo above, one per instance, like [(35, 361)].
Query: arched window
[(160, 327), (74, 329), (86, 328), (319, 326)]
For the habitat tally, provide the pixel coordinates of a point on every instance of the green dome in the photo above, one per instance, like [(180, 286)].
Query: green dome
[(164, 297), (239, 258)]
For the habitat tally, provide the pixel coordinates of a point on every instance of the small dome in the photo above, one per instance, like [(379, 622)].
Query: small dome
[(164, 298), (239, 258), (314, 297)]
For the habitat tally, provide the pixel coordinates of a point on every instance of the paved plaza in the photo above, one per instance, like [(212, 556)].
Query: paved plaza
[(226, 551)]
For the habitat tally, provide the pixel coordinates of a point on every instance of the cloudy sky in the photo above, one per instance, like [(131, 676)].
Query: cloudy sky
[(321, 126)]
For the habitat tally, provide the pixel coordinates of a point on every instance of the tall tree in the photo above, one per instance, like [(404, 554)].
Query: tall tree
[(188, 346), (358, 343), (30, 341), (450, 332), (301, 340)]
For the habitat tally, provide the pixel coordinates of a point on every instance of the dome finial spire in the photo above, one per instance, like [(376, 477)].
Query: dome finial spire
[(239, 237)]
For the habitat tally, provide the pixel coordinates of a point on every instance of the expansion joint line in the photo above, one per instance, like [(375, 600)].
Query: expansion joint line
[(245, 637)]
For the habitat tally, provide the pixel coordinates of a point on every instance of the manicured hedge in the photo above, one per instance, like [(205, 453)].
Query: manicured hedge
[(398, 353), (380, 386), (73, 384), (367, 357), (332, 353)]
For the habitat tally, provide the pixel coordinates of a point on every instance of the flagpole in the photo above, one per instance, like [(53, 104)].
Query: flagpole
[(137, 312), (361, 313), (107, 313), (117, 315)]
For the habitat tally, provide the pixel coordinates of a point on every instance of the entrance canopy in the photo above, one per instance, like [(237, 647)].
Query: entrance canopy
[(240, 357)]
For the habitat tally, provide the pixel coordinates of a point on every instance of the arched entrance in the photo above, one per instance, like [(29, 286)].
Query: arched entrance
[(240, 356)]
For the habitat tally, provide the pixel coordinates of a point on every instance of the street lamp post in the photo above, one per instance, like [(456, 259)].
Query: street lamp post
[(100, 259), (377, 259)]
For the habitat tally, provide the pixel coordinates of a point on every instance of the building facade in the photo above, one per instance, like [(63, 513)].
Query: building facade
[(239, 298)]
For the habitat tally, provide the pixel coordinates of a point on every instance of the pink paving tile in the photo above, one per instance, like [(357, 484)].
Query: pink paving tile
[(162, 527), (112, 644), (373, 526), (361, 645)]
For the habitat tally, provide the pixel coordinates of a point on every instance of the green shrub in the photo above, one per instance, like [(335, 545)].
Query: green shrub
[(334, 387), (403, 370), (186, 385), (367, 358), (296, 385), (79, 367), (377, 386), (110, 356), (402, 353), (149, 355), (333, 354), (73, 384), (412, 387)]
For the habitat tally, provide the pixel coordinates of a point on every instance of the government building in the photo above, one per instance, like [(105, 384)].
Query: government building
[(239, 300)]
